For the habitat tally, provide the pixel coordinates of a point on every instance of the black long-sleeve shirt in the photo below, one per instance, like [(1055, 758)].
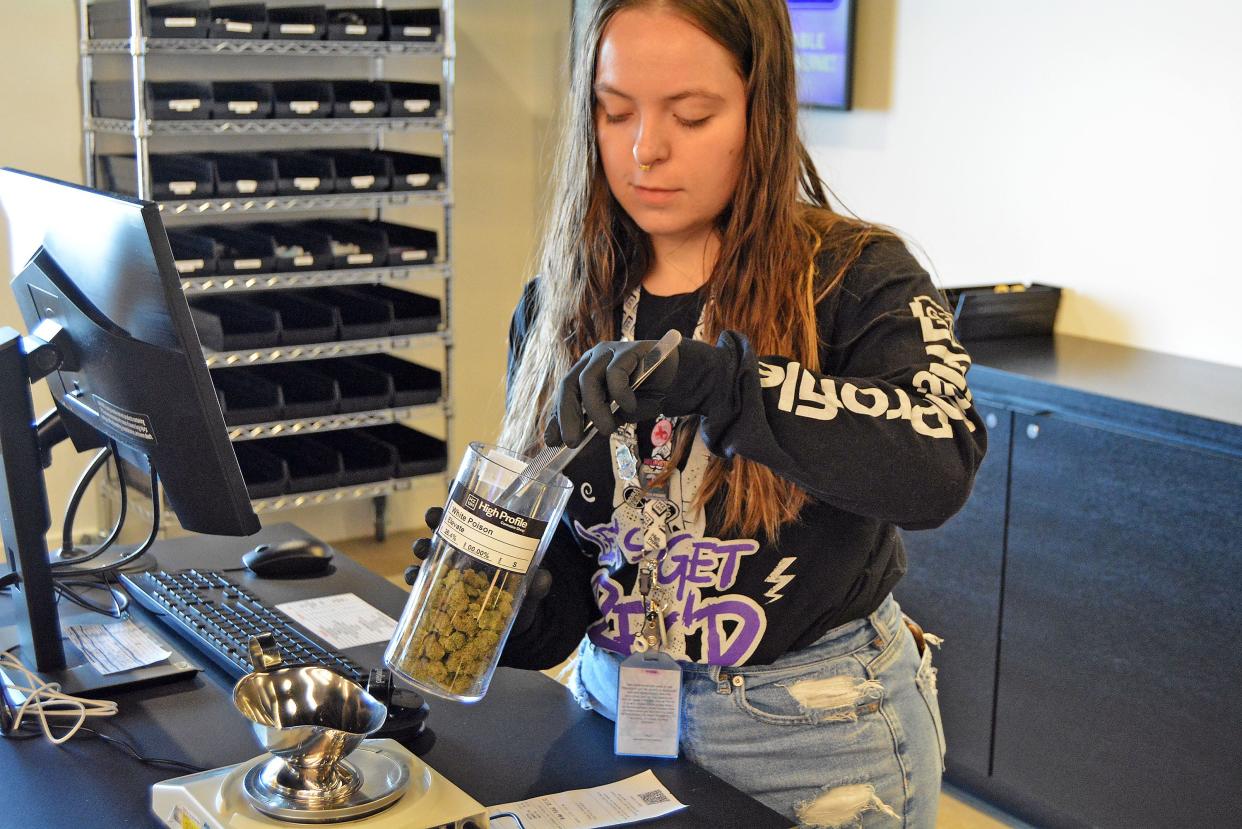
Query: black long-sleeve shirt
[(884, 435)]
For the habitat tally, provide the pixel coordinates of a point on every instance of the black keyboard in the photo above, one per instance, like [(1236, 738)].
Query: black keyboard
[(219, 616)]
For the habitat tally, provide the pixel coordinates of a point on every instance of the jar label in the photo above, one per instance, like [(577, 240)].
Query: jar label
[(490, 533)]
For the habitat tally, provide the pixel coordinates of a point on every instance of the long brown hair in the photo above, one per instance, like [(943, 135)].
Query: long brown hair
[(778, 223)]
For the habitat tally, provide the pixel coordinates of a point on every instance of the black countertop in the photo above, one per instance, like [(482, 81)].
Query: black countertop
[(1178, 397)]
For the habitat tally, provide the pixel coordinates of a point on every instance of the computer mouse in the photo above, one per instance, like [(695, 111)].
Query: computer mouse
[(294, 557)]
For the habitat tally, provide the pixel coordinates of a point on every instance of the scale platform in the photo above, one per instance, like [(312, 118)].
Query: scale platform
[(215, 799)]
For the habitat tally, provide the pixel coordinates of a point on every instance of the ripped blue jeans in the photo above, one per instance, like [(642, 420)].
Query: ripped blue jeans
[(844, 733)]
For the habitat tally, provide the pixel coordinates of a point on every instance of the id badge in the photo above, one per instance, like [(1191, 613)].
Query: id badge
[(648, 706)]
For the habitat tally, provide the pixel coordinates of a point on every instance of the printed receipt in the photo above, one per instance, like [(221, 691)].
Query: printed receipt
[(117, 646), (343, 620), (641, 797)]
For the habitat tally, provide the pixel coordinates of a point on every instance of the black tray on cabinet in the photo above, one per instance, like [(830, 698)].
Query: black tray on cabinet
[(241, 100), (408, 245), (990, 311), (312, 464), (362, 318), (356, 23), (360, 171), (411, 313), (302, 99), (360, 99), (241, 251), (228, 324), (178, 19), (303, 174), (166, 100), (354, 244), (412, 171), (247, 397), (172, 176), (193, 254), (237, 21), (414, 100), (298, 248), (417, 452), (364, 459), (244, 174), (306, 392), (297, 23), (266, 474), (412, 384), (363, 389), (418, 25), (302, 320)]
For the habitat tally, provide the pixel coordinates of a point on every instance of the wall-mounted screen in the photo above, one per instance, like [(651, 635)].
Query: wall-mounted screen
[(823, 33)]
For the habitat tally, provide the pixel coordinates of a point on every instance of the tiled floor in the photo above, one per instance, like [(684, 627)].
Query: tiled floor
[(390, 558)]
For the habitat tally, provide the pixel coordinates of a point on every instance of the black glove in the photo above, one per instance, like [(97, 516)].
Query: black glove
[(540, 584), (683, 384)]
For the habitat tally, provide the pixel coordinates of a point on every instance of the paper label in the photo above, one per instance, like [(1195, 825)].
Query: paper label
[(297, 28), (361, 182), (417, 179), (416, 31), (185, 104), (641, 797), (306, 183), (247, 185), (490, 533), (360, 258), (413, 255), (343, 620), (238, 26), (648, 705), (189, 265), (304, 107), (361, 107), (416, 104), (183, 188), (117, 646), (243, 107), (303, 261), (180, 22), (355, 29), (247, 264)]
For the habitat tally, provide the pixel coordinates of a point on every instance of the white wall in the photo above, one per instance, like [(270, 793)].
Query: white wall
[(510, 56), (1090, 145)]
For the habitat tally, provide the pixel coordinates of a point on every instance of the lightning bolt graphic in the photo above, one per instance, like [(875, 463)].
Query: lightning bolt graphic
[(778, 580)]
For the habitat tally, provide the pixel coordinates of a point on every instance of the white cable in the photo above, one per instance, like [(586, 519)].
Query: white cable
[(46, 700)]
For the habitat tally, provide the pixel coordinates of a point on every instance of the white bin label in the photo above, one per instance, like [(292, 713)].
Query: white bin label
[(243, 107), (306, 182), (304, 107), (490, 533), (180, 22), (416, 104), (360, 258), (183, 188), (238, 26), (413, 255), (362, 182), (189, 265), (297, 28), (418, 179), (185, 104), (361, 107), (247, 185), (355, 29), (416, 31), (247, 264)]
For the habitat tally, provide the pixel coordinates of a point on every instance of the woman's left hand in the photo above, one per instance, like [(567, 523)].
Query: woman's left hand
[(682, 385)]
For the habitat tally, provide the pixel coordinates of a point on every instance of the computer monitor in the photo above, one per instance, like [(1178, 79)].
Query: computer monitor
[(112, 333), (823, 32)]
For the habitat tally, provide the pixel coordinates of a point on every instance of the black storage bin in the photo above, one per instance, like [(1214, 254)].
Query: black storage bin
[(247, 397), (242, 251), (182, 18), (297, 23), (417, 453), (266, 475), (363, 388), (299, 174), (306, 392), (361, 171), (364, 458), (411, 171), (172, 176), (243, 174), (241, 100), (312, 465), (414, 100), (356, 24), (412, 384), (354, 244), (166, 100), (360, 99), (411, 313), (238, 21), (228, 324), (194, 255), (408, 245), (302, 320), (991, 311), (362, 318), (298, 248), (422, 25), (302, 99)]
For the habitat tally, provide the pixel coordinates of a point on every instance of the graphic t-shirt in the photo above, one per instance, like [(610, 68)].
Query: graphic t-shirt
[(883, 435)]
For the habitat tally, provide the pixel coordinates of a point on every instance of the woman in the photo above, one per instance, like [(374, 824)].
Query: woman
[(818, 402)]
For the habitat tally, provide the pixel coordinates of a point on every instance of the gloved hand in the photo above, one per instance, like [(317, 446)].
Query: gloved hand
[(540, 584), (682, 385)]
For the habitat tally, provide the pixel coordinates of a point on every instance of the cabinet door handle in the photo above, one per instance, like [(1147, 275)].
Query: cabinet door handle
[(1032, 430)]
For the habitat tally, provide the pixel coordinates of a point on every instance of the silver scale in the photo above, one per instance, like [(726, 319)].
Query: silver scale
[(319, 769)]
